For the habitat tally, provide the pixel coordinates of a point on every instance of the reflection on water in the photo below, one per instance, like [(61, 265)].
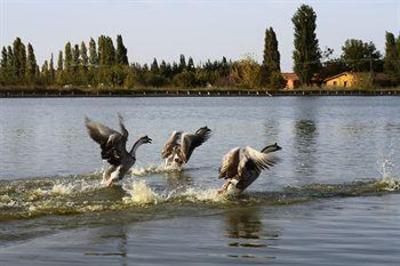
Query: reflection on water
[(306, 147), (247, 234)]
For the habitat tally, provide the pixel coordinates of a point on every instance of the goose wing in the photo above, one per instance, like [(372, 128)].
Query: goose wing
[(230, 163), (168, 148), (252, 162), (112, 143), (191, 141)]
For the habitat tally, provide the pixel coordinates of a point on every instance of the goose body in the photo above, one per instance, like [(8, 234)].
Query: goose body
[(113, 149), (179, 147), (241, 167)]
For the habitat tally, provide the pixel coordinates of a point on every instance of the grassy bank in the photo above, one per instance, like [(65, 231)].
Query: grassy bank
[(16, 92)]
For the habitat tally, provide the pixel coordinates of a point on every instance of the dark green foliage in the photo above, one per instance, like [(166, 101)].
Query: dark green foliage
[(122, 52), (76, 62), (392, 56), (154, 66), (60, 61), (270, 68), (84, 56), (307, 54), (19, 53), (182, 63), (52, 72), (93, 58), (31, 65), (68, 58), (361, 56), (106, 51), (190, 65)]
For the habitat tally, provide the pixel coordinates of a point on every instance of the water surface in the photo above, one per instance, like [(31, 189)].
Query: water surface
[(331, 201)]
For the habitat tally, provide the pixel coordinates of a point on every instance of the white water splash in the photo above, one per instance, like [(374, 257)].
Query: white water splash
[(195, 195), (154, 169), (389, 179), (141, 194)]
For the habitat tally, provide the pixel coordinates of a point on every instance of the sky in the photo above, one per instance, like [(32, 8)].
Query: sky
[(201, 29)]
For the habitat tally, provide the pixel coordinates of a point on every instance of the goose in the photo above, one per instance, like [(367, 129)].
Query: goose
[(241, 167), (179, 147), (113, 149)]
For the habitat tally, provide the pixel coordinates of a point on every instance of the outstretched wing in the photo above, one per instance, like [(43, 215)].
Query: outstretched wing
[(170, 144), (191, 141), (124, 131), (230, 163), (252, 162), (111, 142)]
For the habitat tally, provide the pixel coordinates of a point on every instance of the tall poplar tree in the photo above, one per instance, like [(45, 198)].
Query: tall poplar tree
[(122, 52), (93, 59), (76, 62), (84, 56), (31, 65), (19, 53), (4, 66), (271, 58), (52, 72), (68, 58), (60, 61), (307, 55), (392, 56)]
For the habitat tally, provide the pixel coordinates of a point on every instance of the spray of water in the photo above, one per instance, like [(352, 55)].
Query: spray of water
[(387, 169)]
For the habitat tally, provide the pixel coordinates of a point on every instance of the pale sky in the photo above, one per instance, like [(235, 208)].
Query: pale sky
[(201, 29)]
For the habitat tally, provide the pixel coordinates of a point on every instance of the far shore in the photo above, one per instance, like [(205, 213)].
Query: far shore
[(195, 92)]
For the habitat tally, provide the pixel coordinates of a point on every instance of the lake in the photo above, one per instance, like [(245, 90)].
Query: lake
[(332, 199)]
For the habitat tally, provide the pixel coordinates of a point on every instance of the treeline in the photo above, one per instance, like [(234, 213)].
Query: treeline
[(102, 64)]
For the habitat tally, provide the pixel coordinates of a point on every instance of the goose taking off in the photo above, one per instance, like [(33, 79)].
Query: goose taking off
[(180, 145), (240, 167), (113, 149)]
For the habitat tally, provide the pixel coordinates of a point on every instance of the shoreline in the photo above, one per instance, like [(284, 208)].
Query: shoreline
[(72, 93)]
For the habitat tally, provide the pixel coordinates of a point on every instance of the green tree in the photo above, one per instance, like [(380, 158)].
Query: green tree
[(154, 66), (271, 58), (44, 73), (307, 55), (392, 56), (76, 62), (11, 72), (93, 59), (4, 66), (19, 53), (84, 56), (182, 63), (52, 72), (60, 61), (68, 62), (122, 52), (361, 56), (31, 65), (246, 73)]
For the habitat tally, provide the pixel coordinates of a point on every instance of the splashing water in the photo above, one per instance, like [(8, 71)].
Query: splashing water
[(389, 180), (154, 169), (140, 194)]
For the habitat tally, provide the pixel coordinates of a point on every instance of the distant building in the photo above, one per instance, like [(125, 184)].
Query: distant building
[(292, 80), (349, 79), (344, 79)]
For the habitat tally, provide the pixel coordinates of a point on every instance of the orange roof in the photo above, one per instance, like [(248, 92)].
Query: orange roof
[(292, 76)]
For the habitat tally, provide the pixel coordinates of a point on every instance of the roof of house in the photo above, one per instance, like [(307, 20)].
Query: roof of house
[(338, 75), (292, 76), (377, 76)]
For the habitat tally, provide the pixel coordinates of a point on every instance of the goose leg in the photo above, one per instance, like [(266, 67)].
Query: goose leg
[(107, 173)]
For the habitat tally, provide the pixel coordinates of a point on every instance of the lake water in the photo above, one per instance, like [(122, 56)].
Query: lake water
[(332, 200)]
